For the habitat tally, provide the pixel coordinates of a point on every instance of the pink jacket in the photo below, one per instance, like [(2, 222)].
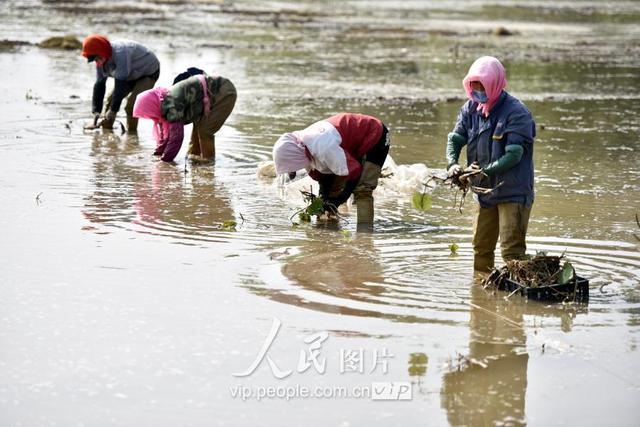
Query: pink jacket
[(168, 135)]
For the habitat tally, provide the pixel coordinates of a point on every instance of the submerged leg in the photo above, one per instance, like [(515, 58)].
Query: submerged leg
[(140, 86), (364, 206), (364, 194), (221, 107), (485, 237), (514, 221), (207, 146), (194, 143)]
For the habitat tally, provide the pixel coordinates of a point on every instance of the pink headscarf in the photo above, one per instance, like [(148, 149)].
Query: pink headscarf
[(289, 154), (490, 72), (147, 106)]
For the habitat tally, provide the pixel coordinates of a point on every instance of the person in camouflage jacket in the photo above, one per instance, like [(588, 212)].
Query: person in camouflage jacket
[(206, 101)]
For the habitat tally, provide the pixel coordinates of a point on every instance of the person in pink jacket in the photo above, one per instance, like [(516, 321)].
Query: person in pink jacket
[(344, 152)]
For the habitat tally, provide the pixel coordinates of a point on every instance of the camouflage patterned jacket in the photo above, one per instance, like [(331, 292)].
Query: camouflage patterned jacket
[(184, 101)]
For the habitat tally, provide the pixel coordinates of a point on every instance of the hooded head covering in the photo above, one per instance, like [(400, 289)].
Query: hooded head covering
[(490, 72), (96, 45), (147, 106), (191, 71), (289, 154)]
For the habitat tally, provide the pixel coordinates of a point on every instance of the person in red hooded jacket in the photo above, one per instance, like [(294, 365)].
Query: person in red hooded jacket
[(134, 69), (345, 151)]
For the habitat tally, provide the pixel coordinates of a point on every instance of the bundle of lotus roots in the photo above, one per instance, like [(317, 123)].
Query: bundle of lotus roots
[(541, 270), (463, 182)]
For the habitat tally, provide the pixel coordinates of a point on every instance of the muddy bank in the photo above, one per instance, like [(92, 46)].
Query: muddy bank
[(58, 42)]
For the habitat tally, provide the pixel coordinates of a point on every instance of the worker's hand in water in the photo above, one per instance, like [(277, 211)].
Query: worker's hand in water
[(454, 170), (330, 207), (109, 118)]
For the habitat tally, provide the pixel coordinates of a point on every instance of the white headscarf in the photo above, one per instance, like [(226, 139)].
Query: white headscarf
[(289, 154)]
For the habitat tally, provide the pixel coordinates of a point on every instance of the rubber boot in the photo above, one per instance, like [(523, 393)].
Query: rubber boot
[(207, 147), (363, 195), (132, 124), (370, 176), (194, 143), (107, 123), (364, 206)]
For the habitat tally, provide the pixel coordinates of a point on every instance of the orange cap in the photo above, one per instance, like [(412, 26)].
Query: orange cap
[(96, 45)]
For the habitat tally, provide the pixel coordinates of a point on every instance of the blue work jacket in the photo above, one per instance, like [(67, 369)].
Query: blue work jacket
[(509, 122)]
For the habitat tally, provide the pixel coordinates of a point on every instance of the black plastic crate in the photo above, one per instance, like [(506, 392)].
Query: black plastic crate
[(576, 290)]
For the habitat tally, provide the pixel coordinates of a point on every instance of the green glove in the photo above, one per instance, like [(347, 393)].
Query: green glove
[(455, 142), (510, 158)]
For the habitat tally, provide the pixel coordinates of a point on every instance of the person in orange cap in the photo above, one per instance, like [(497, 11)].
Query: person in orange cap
[(134, 68)]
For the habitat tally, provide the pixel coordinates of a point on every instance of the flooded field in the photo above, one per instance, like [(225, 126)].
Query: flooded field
[(125, 301)]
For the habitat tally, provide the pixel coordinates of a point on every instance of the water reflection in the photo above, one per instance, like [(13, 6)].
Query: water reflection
[(191, 203), (488, 385), (333, 275), (111, 201), (132, 191)]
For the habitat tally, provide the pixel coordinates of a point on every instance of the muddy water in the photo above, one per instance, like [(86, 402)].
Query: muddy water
[(125, 302)]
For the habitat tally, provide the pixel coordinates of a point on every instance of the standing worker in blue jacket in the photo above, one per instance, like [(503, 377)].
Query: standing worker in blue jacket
[(134, 69), (498, 131)]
